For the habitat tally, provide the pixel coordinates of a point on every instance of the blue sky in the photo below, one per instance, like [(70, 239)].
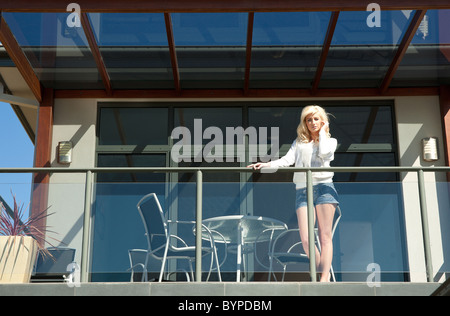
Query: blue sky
[(16, 151)]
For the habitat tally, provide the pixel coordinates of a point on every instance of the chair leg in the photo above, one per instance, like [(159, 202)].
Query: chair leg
[(161, 273), (270, 269), (144, 273), (192, 270), (211, 266), (144, 277), (244, 266), (284, 272), (218, 265), (214, 257), (163, 264), (188, 279), (272, 273)]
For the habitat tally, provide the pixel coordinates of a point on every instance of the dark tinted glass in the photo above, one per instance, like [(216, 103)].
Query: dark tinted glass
[(133, 126), (365, 135), (128, 160)]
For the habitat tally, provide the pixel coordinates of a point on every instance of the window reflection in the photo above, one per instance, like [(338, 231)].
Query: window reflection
[(131, 161), (427, 60), (133, 126), (210, 49), (361, 54), (286, 48), (365, 135)]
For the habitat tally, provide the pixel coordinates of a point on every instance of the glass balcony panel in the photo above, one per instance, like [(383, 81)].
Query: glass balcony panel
[(371, 230), (427, 60), (210, 48), (135, 49), (360, 55), (286, 48), (58, 52)]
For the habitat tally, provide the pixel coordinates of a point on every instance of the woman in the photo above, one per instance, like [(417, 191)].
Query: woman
[(313, 147)]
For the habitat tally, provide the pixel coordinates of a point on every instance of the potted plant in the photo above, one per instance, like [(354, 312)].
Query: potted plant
[(20, 241)]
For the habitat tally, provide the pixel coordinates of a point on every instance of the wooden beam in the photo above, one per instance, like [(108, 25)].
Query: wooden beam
[(403, 47), (173, 53), (325, 49), (444, 97), (90, 36), (444, 34), (140, 6), (20, 60), (248, 51), (252, 93), (42, 156)]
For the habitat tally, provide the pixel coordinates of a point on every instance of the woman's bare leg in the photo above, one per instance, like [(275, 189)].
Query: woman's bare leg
[(325, 216), (302, 217)]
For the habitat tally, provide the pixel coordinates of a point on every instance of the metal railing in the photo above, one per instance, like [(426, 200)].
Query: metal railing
[(199, 216)]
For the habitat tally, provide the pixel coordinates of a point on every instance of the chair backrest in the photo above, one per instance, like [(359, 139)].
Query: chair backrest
[(138, 258), (57, 263), (154, 222)]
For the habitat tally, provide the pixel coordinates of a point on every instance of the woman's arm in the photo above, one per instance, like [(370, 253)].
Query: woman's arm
[(285, 161), (327, 145)]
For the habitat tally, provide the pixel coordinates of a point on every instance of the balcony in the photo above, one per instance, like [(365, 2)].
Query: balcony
[(392, 238)]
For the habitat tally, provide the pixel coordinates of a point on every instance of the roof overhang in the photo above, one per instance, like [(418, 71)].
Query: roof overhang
[(177, 64), (183, 6)]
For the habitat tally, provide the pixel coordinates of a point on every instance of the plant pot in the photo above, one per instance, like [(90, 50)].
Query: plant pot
[(17, 258)]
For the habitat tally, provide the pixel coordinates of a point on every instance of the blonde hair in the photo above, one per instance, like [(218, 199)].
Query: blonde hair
[(303, 134)]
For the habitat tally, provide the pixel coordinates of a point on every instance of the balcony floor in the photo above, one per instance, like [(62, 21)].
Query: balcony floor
[(220, 289)]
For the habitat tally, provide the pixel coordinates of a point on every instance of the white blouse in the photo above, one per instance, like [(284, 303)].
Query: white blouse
[(309, 155)]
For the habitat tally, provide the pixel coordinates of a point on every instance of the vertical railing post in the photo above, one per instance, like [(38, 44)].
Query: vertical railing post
[(425, 225), (311, 233), (198, 229), (86, 229)]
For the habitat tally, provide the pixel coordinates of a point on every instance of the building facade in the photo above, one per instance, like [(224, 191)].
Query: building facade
[(118, 83)]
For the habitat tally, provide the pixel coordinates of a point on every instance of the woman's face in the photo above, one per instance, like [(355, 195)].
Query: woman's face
[(314, 123)]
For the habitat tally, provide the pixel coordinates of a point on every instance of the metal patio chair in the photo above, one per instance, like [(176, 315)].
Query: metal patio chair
[(137, 265), (294, 253), (161, 240)]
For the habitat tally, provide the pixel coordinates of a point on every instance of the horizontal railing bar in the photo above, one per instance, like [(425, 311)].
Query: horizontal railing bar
[(220, 169)]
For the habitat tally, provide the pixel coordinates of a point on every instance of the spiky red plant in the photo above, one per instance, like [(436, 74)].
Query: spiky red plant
[(16, 226)]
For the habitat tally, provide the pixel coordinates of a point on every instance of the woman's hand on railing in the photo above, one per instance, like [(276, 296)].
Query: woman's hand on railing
[(259, 165)]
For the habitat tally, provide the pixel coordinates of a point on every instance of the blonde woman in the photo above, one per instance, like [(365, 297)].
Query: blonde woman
[(313, 147)]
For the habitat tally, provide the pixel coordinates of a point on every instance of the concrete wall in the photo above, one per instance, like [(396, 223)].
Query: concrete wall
[(418, 118), (74, 120)]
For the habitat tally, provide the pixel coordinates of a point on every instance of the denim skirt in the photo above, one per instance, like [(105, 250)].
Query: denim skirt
[(323, 193)]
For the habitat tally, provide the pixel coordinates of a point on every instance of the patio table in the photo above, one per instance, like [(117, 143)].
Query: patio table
[(243, 229)]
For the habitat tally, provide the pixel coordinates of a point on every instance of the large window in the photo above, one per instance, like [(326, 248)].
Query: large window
[(364, 130), (140, 135)]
